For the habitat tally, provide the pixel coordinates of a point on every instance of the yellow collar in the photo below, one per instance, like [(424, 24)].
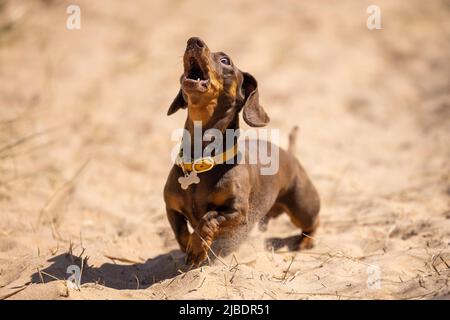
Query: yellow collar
[(206, 163)]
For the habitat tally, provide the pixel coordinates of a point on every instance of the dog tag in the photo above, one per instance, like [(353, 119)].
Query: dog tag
[(187, 180)]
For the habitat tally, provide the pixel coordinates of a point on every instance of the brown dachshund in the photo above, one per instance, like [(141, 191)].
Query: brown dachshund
[(227, 199)]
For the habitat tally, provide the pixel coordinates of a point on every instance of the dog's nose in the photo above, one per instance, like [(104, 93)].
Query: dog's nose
[(195, 43)]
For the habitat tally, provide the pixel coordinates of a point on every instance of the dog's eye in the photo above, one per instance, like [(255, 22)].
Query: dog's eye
[(225, 61)]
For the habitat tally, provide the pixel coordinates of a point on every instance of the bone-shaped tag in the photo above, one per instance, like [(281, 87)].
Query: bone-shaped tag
[(186, 181)]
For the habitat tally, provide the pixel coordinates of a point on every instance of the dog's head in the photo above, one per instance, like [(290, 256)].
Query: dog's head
[(214, 89)]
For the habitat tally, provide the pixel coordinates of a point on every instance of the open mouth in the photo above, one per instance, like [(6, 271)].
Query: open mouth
[(195, 77)]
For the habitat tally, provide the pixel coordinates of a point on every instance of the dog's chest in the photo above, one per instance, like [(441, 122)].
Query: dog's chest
[(209, 194)]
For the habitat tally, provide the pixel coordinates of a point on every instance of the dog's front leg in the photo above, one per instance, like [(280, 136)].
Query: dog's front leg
[(201, 239), (180, 229)]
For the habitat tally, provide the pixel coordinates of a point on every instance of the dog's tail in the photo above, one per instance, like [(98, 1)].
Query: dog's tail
[(293, 139)]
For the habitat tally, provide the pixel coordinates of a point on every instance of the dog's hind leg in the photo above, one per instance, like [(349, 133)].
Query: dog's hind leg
[(274, 212), (302, 206)]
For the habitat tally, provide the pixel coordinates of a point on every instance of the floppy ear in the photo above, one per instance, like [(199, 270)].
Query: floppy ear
[(177, 103), (252, 112)]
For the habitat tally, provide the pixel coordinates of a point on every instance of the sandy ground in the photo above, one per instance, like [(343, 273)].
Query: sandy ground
[(85, 147)]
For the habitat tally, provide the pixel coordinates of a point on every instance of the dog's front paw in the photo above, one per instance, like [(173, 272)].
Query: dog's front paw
[(196, 259), (196, 252), (200, 241)]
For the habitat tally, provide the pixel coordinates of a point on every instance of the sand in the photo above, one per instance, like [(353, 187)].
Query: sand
[(85, 147)]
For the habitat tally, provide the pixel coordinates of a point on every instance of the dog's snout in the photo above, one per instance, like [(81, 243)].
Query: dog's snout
[(195, 43)]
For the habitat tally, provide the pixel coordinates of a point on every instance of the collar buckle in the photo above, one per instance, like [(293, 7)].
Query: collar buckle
[(203, 164)]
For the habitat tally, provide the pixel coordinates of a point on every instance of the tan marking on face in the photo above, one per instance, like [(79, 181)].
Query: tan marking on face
[(202, 113), (201, 106), (232, 89)]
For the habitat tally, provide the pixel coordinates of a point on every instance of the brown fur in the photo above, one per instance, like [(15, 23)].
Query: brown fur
[(231, 198)]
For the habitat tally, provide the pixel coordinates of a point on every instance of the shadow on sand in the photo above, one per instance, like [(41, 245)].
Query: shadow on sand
[(137, 275), (117, 276)]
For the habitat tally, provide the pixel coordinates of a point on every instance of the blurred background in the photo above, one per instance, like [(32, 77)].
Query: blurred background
[(85, 141)]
